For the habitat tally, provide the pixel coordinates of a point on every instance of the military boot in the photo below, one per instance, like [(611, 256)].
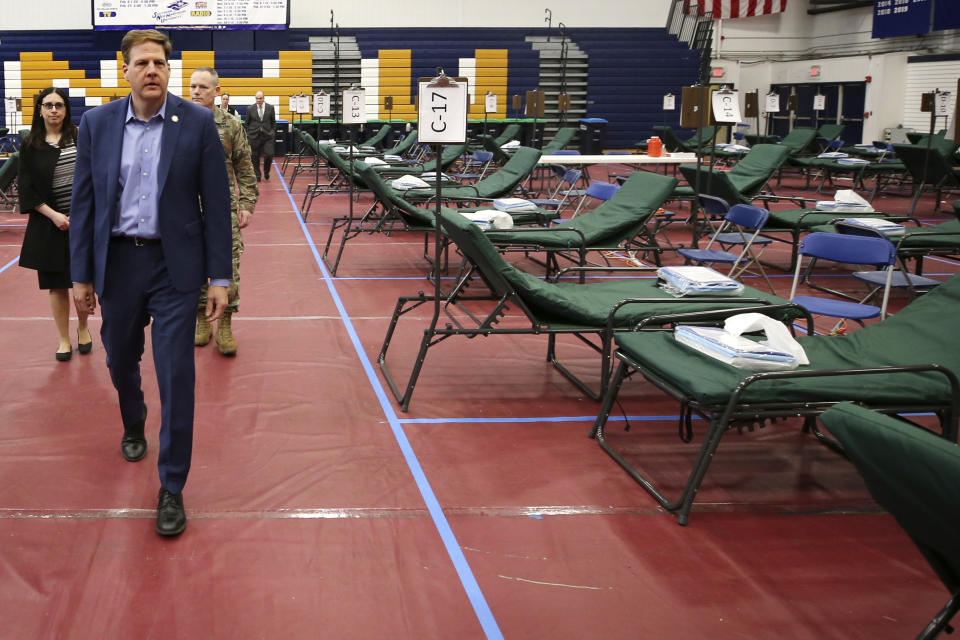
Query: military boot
[(225, 341), (204, 330)]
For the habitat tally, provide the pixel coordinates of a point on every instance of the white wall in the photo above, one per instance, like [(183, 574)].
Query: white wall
[(469, 13), (18, 15)]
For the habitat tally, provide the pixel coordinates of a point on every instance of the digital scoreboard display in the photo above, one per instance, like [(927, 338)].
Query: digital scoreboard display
[(191, 14)]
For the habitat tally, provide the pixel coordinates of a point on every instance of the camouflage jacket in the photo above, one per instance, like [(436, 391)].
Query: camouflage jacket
[(236, 149)]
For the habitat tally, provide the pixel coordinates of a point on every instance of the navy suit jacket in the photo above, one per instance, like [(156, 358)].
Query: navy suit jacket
[(193, 205)]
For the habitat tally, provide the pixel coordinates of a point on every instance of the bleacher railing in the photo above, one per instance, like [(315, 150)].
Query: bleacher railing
[(691, 24)]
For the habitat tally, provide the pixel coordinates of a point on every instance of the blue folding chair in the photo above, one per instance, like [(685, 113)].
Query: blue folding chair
[(596, 191), (479, 159), (563, 192), (848, 250), (741, 227), (902, 278)]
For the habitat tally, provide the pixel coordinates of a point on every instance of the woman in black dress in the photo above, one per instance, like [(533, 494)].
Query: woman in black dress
[(47, 158)]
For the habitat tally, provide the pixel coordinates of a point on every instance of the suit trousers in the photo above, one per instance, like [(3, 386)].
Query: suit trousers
[(138, 288), (261, 144)]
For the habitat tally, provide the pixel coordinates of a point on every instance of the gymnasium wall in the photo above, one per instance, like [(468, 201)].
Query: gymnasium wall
[(628, 70), (310, 14)]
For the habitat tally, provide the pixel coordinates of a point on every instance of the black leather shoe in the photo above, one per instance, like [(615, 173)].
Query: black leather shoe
[(83, 348), (171, 518), (133, 446), (63, 357)]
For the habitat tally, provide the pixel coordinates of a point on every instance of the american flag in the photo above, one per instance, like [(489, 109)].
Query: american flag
[(739, 8)]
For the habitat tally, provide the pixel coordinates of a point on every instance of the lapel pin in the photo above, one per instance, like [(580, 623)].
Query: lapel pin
[(174, 119)]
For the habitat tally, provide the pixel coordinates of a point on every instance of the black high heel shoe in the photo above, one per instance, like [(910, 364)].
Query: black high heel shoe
[(83, 348)]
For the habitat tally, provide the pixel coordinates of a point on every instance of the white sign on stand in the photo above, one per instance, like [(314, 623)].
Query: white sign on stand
[(669, 102), (772, 103), (819, 102), (726, 107), (490, 103), (442, 111), (303, 104), (940, 104), (321, 105), (292, 104), (354, 106)]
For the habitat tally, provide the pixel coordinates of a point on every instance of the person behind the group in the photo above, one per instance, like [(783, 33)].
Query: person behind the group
[(204, 87), (225, 105), (261, 131), (47, 158), (150, 223)]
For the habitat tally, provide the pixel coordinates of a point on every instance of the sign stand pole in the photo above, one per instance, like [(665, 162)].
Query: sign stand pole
[(443, 108), (442, 105), (928, 102), (353, 101)]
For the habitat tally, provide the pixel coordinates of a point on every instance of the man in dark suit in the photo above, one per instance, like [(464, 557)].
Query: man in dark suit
[(150, 223), (261, 132)]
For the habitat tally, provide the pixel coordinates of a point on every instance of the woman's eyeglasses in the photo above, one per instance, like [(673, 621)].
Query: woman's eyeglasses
[(49, 106)]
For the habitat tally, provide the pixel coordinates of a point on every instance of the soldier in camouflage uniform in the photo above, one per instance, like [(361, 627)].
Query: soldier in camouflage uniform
[(204, 87)]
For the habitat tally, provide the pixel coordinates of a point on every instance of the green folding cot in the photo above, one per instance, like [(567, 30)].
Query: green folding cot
[(8, 173), (907, 363), (404, 145), (913, 475), (376, 139), (519, 303), (500, 184), (560, 140), (673, 143), (618, 224), (743, 183)]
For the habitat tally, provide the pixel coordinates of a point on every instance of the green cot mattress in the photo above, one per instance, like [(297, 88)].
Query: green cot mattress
[(923, 333)]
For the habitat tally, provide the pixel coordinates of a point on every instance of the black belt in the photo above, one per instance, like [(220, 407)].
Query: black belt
[(135, 240)]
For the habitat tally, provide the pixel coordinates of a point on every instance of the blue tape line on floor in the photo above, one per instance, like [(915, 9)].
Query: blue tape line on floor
[(9, 264), (540, 419), (460, 564)]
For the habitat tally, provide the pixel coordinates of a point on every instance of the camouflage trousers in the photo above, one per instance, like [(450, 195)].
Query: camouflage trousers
[(233, 291)]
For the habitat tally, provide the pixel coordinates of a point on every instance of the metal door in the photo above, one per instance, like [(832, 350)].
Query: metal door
[(851, 112), (831, 110), (779, 123)]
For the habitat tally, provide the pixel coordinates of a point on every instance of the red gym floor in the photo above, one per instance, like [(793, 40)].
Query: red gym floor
[(319, 510)]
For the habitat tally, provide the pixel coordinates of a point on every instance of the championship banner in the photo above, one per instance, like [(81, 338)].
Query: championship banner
[(893, 18)]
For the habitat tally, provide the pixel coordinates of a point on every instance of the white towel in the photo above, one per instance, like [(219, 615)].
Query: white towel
[(514, 204), (779, 351), (489, 219), (513, 144), (374, 161), (409, 182), (697, 281), (845, 201), (886, 227)]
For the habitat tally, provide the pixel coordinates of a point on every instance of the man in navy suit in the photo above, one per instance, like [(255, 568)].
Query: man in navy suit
[(150, 223)]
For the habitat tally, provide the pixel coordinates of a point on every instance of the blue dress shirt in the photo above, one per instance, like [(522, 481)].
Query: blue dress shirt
[(139, 160)]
